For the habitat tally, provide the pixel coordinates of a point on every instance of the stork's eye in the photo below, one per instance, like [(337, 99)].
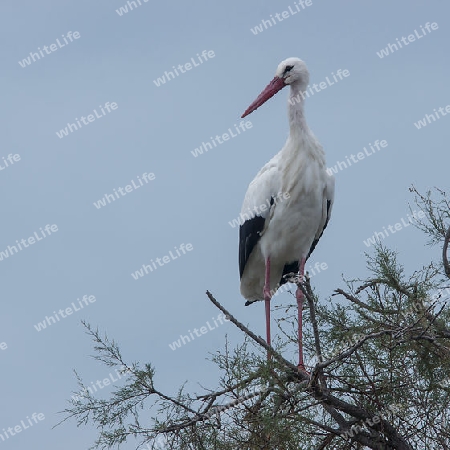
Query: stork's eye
[(287, 69)]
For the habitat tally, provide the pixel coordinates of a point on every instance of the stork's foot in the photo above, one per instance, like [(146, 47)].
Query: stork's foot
[(301, 368), (292, 278)]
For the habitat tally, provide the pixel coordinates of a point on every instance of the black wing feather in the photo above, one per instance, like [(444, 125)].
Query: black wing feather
[(313, 245), (249, 235)]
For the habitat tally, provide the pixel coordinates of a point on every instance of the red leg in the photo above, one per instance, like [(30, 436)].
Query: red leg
[(267, 298), (300, 297)]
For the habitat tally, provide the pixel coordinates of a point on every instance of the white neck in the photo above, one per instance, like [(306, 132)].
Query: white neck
[(297, 121), (301, 141)]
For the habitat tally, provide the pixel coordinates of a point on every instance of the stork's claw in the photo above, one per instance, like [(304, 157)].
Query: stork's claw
[(301, 368)]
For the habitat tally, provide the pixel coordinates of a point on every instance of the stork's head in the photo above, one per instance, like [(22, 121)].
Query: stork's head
[(293, 70), (290, 71)]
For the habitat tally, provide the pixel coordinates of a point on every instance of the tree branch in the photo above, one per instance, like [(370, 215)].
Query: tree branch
[(259, 340), (444, 253)]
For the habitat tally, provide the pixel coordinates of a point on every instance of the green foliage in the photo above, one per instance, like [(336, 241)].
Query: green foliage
[(380, 378)]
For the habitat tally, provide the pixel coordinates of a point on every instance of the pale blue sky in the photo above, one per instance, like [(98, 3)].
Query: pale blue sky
[(190, 201)]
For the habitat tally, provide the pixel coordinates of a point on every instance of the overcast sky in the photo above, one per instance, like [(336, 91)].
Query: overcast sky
[(121, 186)]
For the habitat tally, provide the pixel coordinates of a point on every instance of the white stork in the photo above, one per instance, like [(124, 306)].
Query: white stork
[(278, 240)]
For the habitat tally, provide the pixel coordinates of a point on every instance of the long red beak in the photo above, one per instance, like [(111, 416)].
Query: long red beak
[(269, 91)]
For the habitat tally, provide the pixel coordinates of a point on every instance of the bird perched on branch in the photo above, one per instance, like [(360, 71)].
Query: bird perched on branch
[(277, 239)]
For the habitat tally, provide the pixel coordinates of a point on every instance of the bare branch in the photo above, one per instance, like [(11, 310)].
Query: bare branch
[(445, 252), (258, 340)]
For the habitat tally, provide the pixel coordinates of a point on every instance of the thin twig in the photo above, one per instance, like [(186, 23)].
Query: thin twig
[(444, 253), (349, 351), (317, 372)]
